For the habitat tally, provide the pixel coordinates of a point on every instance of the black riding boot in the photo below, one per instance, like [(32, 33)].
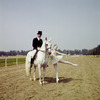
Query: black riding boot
[(32, 62)]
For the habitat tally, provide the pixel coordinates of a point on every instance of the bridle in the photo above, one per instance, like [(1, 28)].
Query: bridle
[(45, 50)]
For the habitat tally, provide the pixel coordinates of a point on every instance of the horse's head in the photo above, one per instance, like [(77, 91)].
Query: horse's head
[(48, 45)]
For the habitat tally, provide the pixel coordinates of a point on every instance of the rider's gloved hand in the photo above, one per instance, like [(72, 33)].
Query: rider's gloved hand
[(38, 48)]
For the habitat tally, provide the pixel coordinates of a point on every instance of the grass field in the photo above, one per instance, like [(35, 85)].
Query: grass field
[(11, 61)]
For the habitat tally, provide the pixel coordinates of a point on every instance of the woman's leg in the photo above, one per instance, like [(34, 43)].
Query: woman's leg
[(66, 62), (55, 66)]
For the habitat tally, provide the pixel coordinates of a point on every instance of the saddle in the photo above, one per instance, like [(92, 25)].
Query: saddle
[(32, 59)]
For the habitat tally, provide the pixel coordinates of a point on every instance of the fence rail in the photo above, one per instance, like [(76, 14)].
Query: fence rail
[(12, 60)]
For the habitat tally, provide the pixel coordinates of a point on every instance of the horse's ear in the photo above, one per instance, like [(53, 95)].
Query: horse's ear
[(46, 38)]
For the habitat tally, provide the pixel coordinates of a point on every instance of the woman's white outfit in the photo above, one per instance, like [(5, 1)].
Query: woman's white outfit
[(55, 58)]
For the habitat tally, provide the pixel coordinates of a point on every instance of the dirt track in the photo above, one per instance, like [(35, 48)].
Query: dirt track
[(76, 83)]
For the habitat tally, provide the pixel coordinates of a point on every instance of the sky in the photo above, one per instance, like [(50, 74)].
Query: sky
[(72, 24)]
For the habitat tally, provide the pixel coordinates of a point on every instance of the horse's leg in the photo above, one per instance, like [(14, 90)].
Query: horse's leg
[(29, 70), (57, 79), (39, 68), (34, 73), (44, 68), (30, 74), (66, 62)]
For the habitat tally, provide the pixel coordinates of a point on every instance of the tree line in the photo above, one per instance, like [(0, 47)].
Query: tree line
[(94, 51), (13, 53)]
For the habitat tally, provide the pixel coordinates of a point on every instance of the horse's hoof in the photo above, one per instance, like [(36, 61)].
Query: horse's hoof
[(43, 82), (31, 79), (34, 79), (40, 82)]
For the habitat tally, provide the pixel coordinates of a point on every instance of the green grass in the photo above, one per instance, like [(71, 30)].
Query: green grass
[(95, 56), (11, 61), (21, 60)]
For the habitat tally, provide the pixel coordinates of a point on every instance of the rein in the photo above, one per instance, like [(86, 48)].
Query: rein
[(45, 50)]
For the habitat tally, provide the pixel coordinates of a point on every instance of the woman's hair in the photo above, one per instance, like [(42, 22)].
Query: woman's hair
[(55, 45)]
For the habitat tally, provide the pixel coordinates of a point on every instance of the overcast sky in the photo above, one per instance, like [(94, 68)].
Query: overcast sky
[(72, 24)]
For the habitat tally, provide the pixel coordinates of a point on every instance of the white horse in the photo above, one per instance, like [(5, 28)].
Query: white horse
[(40, 61)]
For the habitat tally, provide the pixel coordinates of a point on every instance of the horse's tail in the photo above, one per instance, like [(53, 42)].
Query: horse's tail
[(27, 67)]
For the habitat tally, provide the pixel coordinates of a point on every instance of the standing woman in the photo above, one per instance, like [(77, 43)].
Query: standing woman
[(57, 59)]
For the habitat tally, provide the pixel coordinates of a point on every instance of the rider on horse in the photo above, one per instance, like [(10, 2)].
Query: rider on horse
[(37, 43)]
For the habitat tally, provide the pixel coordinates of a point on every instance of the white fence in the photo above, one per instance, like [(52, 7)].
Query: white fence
[(11, 57)]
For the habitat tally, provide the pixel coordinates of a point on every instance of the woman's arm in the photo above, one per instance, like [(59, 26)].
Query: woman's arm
[(61, 53)]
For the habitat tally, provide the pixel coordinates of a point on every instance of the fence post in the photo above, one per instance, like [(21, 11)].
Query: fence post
[(17, 60), (6, 62)]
